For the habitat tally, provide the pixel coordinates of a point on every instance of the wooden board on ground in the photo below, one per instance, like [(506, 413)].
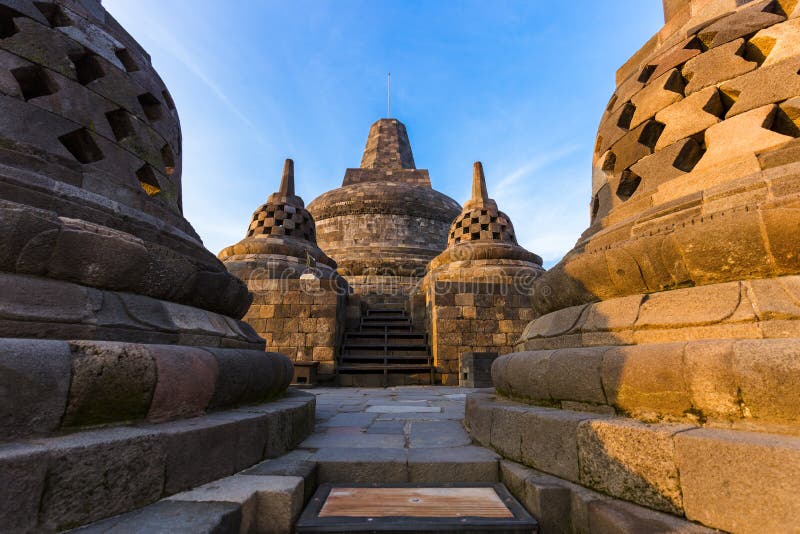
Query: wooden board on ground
[(420, 508), (414, 502)]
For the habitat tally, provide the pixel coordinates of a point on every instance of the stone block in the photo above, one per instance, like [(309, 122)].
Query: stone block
[(739, 481), (96, 474), (739, 23), (689, 116), (768, 377), (475, 369), (167, 517), (722, 63), (23, 469), (478, 418), (34, 383), (710, 378), (454, 464), (657, 95), (632, 461), (186, 380), (575, 374), (644, 378), (427, 434), (110, 382), (269, 504), (612, 517), (294, 464), (526, 374), (373, 465), (549, 439)]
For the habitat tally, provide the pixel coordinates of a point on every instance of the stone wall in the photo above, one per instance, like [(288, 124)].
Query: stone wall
[(473, 317), (303, 319)]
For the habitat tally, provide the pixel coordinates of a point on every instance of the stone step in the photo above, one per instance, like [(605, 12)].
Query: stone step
[(384, 357), (61, 482), (355, 367), (732, 480), (560, 506), (415, 347), (373, 312), (385, 319), (387, 465), (349, 336)]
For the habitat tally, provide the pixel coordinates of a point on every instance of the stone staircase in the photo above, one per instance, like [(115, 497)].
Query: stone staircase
[(386, 350)]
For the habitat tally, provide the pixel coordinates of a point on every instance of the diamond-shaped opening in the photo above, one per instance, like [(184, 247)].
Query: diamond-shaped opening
[(270, 214), (609, 162), (484, 227), (626, 115), (646, 73), (168, 99), (148, 181), (595, 206), (151, 106), (475, 235), (7, 26), (465, 230), (121, 124), (169, 159), (650, 134), (82, 146), (689, 155), (54, 14), (34, 81), (126, 59), (628, 184), (87, 66), (786, 120), (495, 235)]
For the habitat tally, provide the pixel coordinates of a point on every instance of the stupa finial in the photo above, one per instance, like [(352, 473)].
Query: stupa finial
[(480, 195), (287, 179)]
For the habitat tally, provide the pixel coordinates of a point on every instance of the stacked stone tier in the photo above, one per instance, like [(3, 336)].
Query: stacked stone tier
[(386, 228), (699, 139)]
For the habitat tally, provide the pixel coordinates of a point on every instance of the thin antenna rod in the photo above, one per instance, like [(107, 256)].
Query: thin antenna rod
[(389, 95)]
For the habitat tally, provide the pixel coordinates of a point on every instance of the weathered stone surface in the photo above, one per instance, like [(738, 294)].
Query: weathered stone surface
[(382, 465), (34, 382), (752, 18), (767, 377), (632, 461), (23, 471), (268, 503), (427, 435), (110, 382), (453, 464), (166, 517), (691, 115), (97, 474), (647, 377), (716, 65), (659, 93), (739, 481), (185, 383)]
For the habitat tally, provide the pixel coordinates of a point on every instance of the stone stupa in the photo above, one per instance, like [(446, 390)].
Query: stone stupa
[(386, 222), (298, 297), (115, 322), (663, 366), (478, 291)]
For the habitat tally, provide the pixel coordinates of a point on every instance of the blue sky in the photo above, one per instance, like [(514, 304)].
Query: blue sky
[(519, 85)]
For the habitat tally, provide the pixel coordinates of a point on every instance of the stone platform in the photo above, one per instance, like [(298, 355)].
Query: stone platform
[(385, 436), (61, 482)]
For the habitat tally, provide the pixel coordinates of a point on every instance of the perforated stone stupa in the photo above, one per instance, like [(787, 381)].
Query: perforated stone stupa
[(114, 319), (478, 292), (298, 297), (669, 337), (386, 222)]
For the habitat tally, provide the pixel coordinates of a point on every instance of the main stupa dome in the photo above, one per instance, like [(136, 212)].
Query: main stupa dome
[(386, 222)]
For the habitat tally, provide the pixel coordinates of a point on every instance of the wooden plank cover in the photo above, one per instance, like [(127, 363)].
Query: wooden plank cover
[(414, 502)]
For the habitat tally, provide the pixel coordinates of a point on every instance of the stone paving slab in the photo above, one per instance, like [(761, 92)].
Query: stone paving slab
[(399, 408), (438, 434)]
